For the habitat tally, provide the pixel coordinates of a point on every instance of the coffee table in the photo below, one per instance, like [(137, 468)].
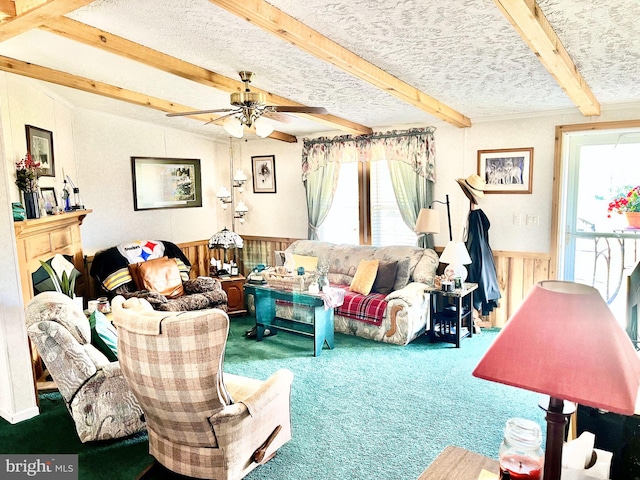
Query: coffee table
[(265, 301), (459, 464)]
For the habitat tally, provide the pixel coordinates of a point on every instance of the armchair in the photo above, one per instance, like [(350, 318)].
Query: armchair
[(114, 269), (202, 422), (94, 390)]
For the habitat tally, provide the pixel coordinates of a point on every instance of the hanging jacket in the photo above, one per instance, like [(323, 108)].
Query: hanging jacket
[(482, 269)]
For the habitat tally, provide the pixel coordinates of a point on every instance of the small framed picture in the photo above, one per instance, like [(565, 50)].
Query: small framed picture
[(49, 198), (508, 170), (40, 146), (264, 174)]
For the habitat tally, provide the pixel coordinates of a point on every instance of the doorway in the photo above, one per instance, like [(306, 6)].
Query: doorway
[(595, 163)]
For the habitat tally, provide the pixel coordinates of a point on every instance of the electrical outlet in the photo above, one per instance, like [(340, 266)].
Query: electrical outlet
[(517, 219), (533, 220)]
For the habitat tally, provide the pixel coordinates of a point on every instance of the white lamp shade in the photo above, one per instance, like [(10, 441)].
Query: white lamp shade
[(455, 253), (240, 176), (241, 208), (263, 127), (428, 221), (223, 193), (233, 127)]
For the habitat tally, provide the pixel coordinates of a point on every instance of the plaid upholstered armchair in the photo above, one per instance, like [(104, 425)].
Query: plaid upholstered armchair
[(201, 424)]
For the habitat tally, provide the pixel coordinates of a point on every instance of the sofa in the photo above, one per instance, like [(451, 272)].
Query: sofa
[(396, 317)]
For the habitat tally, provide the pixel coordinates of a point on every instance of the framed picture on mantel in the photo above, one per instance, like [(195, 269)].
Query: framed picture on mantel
[(40, 146), (507, 170)]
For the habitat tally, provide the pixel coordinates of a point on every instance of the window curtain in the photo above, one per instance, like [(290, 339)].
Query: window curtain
[(320, 169), (409, 153), (410, 156)]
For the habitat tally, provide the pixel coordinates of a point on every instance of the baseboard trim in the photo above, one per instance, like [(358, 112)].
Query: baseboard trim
[(21, 416)]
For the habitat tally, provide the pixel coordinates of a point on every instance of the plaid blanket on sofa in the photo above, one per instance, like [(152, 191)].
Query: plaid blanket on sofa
[(365, 308)]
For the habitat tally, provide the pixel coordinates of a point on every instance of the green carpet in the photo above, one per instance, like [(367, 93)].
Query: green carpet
[(362, 410)]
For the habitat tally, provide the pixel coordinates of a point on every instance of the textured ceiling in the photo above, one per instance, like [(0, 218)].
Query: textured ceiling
[(464, 53)]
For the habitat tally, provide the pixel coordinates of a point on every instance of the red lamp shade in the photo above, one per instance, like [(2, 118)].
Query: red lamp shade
[(564, 341)]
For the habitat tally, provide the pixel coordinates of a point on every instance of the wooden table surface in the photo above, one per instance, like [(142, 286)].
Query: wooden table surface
[(459, 464)]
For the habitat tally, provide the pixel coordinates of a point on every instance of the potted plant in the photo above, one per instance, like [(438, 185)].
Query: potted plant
[(27, 182), (629, 204), (66, 284)]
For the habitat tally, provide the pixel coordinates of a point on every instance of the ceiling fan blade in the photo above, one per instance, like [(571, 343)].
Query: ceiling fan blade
[(200, 112), (220, 118), (303, 109), (278, 117)]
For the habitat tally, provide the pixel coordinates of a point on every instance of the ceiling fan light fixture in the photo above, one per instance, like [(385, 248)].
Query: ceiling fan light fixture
[(233, 126), (263, 127)]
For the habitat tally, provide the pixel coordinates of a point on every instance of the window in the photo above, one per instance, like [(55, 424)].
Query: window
[(342, 224)]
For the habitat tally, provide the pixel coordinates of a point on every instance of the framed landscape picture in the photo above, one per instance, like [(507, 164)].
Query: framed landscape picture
[(165, 183), (40, 146), (508, 170), (264, 174)]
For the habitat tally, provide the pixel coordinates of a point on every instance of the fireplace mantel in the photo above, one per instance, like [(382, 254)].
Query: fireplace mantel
[(42, 238)]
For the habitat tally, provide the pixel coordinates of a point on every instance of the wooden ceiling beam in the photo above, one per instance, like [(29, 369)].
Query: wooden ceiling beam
[(535, 29), (275, 21), (45, 74), (97, 38), (31, 14)]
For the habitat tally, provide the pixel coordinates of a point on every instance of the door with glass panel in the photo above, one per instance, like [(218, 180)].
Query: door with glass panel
[(599, 248)]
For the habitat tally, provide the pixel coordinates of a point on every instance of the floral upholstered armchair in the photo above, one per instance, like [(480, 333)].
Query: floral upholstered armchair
[(93, 388), (157, 271), (201, 423)]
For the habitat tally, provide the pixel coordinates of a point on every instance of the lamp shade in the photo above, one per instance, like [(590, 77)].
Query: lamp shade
[(226, 239), (233, 126), (563, 341), (428, 221), (455, 253), (263, 127)]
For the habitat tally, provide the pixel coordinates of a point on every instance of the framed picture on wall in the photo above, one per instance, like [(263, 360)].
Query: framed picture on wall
[(165, 183), (264, 174), (40, 146), (508, 170)]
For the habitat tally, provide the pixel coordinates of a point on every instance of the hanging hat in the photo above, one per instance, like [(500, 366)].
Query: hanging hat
[(473, 187)]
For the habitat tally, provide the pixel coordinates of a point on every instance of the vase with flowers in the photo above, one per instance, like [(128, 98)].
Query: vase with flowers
[(629, 204), (27, 182)]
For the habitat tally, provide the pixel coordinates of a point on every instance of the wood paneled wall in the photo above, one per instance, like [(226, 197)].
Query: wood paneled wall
[(517, 271)]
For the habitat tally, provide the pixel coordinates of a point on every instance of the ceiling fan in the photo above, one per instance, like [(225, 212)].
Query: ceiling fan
[(249, 109)]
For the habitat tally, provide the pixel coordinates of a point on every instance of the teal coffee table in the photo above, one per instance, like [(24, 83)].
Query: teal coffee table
[(265, 301)]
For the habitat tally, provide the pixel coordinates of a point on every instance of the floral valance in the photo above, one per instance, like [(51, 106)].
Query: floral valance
[(415, 147)]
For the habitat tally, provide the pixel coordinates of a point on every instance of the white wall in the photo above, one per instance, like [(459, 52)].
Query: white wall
[(283, 214), (104, 145)]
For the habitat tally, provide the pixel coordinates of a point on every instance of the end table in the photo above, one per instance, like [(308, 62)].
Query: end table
[(234, 287), (452, 314)]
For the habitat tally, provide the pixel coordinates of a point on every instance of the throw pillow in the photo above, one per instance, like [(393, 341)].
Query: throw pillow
[(104, 335), (385, 278), (364, 277), (160, 275), (403, 273), (307, 262)]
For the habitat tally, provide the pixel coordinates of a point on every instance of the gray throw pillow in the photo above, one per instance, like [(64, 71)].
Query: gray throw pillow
[(385, 278), (402, 274)]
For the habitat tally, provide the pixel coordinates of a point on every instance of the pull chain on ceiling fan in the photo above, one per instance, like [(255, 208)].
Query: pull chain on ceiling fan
[(249, 111)]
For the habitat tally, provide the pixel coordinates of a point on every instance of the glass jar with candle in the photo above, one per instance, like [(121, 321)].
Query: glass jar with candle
[(520, 455)]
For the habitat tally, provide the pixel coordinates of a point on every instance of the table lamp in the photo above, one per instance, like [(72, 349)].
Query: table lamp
[(455, 254), (563, 341), (226, 239)]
